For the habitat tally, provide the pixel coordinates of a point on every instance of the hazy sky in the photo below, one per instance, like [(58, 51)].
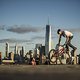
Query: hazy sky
[(24, 21)]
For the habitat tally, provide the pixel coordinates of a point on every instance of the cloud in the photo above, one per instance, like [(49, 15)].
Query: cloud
[(28, 28), (13, 41), (24, 29), (2, 27), (38, 38), (41, 38)]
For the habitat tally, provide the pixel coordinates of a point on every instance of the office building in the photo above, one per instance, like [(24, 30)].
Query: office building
[(48, 40), (42, 50), (22, 52), (7, 50), (38, 45), (37, 49), (11, 56), (16, 50)]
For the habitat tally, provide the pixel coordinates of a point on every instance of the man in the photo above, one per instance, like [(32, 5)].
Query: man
[(68, 35)]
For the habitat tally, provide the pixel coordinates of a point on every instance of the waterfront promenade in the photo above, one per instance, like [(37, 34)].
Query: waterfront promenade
[(40, 72)]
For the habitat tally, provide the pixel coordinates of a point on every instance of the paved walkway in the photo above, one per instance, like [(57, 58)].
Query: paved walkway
[(40, 72)]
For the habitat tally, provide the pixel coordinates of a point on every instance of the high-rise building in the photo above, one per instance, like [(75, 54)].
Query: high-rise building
[(37, 49), (38, 46), (22, 51), (11, 55), (42, 50), (7, 50), (16, 50), (48, 39)]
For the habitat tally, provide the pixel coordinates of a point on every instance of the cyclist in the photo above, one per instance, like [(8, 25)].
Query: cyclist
[(68, 35)]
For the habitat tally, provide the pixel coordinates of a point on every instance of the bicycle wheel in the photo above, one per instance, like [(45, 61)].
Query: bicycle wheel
[(52, 56)]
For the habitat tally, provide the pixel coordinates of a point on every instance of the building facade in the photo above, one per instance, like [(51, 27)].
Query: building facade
[(48, 40), (7, 50)]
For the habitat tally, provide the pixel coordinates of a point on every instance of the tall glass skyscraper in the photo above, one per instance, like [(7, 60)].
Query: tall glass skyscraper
[(7, 50), (48, 40)]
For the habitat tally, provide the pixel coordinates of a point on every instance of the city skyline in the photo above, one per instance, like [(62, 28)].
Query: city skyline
[(24, 21)]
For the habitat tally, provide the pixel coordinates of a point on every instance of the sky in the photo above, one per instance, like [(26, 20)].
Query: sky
[(23, 22)]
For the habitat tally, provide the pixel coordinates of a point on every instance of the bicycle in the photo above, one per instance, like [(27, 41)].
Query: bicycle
[(59, 53)]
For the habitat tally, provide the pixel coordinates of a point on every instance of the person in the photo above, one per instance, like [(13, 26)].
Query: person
[(33, 61), (68, 35)]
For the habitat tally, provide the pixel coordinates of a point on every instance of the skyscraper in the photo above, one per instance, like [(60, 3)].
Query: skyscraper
[(22, 51), (15, 51), (7, 49), (37, 49), (48, 39), (11, 55)]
